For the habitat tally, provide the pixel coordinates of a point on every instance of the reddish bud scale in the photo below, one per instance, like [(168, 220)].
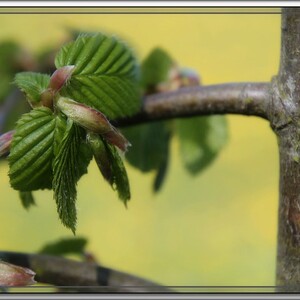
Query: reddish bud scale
[(12, 275), (92, 120), (189, 77), (5, 142), (60, 77)]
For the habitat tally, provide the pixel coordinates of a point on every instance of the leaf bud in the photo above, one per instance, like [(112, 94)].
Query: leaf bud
[(12, 275), (189, 77), (60, 77), (92, 120), (101, 155), (5, 142)]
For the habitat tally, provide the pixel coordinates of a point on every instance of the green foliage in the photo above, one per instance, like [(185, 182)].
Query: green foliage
[(155, 68), (201, 139), (105, 74), (111, 165), (97, 80), (66, 174), (32, 84), (119, 174), (27, 199), (9, 51), (31, 151), (49, 150), (12, 105), (75, 245), (150, 148)]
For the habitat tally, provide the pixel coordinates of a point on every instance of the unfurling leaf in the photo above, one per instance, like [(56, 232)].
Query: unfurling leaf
[(33, 85), (110, 165), (155, 69), (31, 151), (60, 77), (101, 156), (96, 80), (150, 149), (92, 120), (201, 139), (27, 199), (66, 175), (120, 178), (104, 76), (75, 245), (12, 275)]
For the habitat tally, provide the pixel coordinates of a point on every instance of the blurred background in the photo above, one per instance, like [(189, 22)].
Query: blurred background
[(218, 228)]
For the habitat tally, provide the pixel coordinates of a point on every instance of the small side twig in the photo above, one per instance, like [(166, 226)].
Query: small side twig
[(60, 271), (250, 99)]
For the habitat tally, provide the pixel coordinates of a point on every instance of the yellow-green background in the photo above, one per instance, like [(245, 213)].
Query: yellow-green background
[(218, 228)]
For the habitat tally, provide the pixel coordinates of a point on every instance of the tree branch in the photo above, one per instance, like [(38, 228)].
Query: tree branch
[(60, 271), (231, 98)]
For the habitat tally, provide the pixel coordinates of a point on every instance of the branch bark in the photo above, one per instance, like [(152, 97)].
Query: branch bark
[(284, 116), (60, 271), (231, 98)]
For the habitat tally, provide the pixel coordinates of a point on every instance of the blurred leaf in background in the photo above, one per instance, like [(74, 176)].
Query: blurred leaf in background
[(201, 138), (75, 245)]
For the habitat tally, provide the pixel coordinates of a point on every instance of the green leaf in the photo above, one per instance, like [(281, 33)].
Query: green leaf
[(201, 140), (85, 154), (150, 148), (120, 178), (105, 74), (27, 199), (110, 165), (32, 84), (155, 68), (31, 151), (161, 172), (149, 142), (66, 173), (101, 155), (10, 52), (75, 245)]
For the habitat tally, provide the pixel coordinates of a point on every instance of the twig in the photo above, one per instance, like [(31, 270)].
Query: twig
[(231, 98), (60, 271)]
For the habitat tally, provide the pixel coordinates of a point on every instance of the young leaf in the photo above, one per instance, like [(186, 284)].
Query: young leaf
[(162, 171), (92, 120), (101, 156), (85, 154), (31, 151), (110, 165), (155, 69), (201, 139), (120, 178), (150, 148), (66, 174), (33, 85), (26, 199), (104, 76), (75, 245), (149, 144), (9, 51)]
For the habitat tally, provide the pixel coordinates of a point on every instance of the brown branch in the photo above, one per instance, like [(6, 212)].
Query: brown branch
[(60, 271), (285, 121), (231, 98)]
